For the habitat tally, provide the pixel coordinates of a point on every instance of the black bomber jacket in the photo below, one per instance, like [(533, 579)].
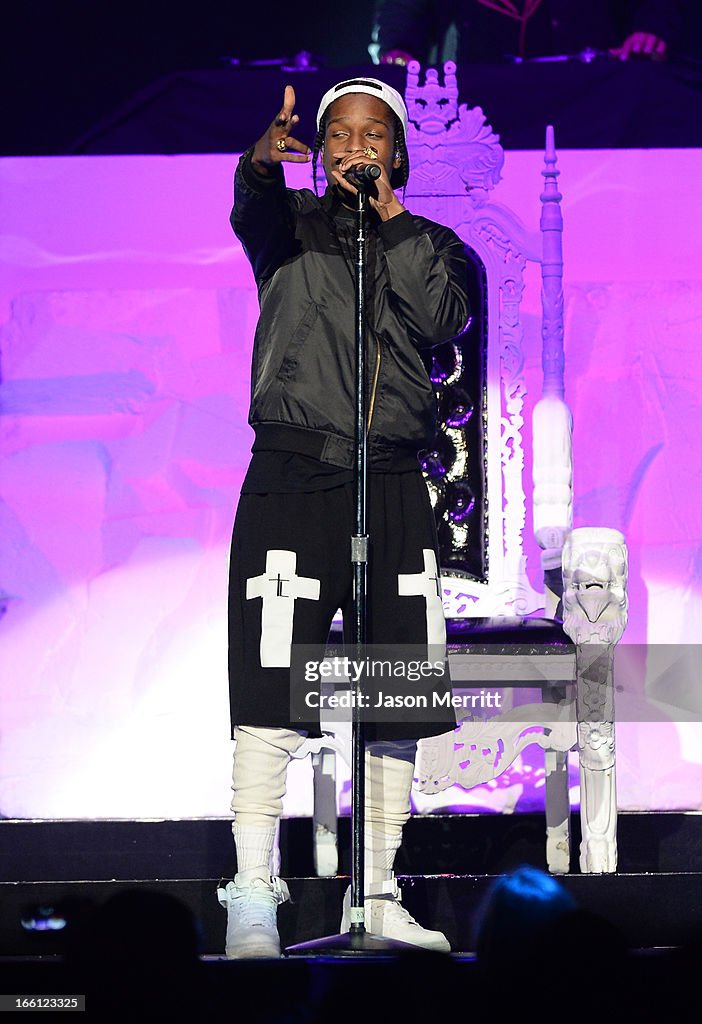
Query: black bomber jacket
[(301, 249)]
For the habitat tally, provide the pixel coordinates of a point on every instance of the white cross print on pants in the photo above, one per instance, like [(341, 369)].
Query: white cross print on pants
[(279, 587), (427, 584)]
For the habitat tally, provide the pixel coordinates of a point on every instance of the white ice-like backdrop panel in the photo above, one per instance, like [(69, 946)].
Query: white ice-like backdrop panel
[(127, 311)]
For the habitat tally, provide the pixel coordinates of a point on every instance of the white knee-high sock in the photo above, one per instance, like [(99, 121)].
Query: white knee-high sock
[(254, 848), (261, 758), (388, 785)]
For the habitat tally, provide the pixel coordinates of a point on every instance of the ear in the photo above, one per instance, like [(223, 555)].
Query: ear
[(397, 160)]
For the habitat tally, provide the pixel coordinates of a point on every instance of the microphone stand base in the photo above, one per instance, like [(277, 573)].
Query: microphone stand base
[(350, 944)]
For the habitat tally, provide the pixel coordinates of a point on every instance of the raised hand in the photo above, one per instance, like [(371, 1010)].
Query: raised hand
[(277, 145)]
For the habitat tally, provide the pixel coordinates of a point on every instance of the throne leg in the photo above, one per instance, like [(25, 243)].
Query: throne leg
[(557, 812), (557, 798), (598, 804), (324, 813), (595, 613), (598, 797)]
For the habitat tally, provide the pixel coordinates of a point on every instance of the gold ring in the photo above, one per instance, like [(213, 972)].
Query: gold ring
[(280, 145), (371, 153)]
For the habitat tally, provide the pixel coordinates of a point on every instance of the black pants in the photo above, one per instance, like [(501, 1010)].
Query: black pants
[(291, 570)]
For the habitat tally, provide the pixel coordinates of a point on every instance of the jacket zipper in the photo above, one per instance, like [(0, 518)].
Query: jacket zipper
[(376, 374)]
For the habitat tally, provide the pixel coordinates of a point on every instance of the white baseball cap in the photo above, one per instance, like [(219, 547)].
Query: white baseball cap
[(370, 86)]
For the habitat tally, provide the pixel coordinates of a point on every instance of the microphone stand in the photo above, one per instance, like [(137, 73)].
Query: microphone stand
[(357, 940)]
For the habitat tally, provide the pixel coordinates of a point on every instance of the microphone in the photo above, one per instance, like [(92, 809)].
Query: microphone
[(363, 174)]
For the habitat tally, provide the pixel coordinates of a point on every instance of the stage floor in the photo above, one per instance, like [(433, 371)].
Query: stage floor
[(61, 871)]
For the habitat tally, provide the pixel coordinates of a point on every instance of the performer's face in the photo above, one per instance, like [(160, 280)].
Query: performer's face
[(354, 122)]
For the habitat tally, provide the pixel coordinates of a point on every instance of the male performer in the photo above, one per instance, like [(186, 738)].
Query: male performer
[(291, 567)]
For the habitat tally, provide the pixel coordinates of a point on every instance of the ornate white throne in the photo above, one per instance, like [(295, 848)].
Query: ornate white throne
[(476, 479)]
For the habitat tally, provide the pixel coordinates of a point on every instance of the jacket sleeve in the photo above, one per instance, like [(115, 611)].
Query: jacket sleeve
[(263, 217), (428, 273)]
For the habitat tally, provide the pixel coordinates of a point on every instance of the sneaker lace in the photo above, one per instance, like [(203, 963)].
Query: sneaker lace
[(396, 913), (257, 903)]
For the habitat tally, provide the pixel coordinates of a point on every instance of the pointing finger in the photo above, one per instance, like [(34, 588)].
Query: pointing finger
[(286, 113)]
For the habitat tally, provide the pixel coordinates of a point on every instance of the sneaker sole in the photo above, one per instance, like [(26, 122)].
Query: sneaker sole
[(440, 946), (252, 952)]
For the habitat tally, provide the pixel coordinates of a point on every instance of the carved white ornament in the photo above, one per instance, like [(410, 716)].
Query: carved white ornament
[(595, 602), (479, 751)]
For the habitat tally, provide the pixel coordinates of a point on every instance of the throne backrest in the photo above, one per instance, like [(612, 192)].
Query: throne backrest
[(475, 472)]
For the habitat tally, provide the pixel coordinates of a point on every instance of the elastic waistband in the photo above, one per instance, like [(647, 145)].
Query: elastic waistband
[(329, 448)]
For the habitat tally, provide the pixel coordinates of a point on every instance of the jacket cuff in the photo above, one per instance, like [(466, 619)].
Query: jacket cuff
[(256, 181), (397, 229)]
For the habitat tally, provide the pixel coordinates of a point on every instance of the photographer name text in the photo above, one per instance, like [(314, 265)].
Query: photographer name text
[(351, 699)]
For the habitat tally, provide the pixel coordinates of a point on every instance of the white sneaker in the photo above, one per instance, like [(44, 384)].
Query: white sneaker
[(252, 902), (385, 915)]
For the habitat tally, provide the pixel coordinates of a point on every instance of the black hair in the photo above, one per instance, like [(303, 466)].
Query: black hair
[(399, 175)]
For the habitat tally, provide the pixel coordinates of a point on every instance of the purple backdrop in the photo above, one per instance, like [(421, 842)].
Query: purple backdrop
[(126, 315)]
